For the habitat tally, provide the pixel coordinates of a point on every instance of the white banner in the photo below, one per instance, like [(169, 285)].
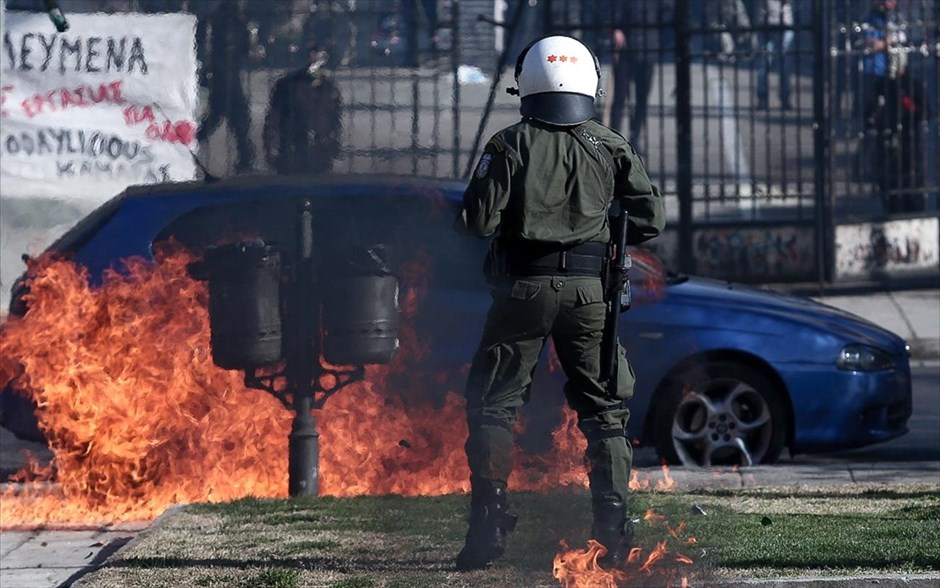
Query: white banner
[(107, 104)]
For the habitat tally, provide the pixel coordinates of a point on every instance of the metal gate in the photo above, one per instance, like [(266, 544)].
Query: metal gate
[(768, 123)]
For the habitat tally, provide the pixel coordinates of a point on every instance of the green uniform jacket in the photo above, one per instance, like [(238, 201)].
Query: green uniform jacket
[(538, 182)]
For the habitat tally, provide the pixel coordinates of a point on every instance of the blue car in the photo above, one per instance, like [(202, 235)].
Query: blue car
[(726, 374)]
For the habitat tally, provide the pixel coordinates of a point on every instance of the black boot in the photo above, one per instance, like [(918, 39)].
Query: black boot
[(614, 530), (490, 521)]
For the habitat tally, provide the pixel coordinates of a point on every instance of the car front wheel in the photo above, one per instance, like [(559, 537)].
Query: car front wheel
[(721, 413)]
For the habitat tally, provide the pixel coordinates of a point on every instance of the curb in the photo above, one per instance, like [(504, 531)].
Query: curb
[(160, 521), (799, 477)]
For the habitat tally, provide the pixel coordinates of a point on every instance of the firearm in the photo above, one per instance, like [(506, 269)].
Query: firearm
[(617, 293), (56, 16)]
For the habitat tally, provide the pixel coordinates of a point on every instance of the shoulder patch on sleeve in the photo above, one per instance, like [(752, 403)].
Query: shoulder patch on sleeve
[(483, 167)]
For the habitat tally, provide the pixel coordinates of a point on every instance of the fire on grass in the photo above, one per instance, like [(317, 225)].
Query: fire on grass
[(139, 418), (664, 565)]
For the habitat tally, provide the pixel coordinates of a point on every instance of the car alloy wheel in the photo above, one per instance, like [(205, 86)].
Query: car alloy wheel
[(722, 414)]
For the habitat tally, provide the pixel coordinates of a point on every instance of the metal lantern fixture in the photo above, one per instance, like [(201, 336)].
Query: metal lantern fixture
[(342, 306), (360, 308), (244, 303)]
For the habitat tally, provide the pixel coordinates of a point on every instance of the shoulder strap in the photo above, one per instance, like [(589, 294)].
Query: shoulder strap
[(597, 150)]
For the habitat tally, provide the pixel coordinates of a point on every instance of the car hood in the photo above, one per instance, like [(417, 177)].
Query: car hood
[(806, 312)]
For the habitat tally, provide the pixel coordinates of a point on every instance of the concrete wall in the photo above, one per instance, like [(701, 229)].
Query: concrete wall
[(893, 248)]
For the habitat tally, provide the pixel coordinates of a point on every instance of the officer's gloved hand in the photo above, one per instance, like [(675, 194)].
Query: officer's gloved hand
[(616, 282)]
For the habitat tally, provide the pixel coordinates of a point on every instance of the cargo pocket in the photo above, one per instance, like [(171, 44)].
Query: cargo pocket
[(625, 376), (525, 290), (483, 374), (590, 293)]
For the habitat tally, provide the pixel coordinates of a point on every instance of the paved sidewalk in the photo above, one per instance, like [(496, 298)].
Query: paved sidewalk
[(912, 314), (51, 558)]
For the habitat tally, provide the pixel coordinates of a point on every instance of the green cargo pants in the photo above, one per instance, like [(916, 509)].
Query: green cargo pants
[(525, 311)]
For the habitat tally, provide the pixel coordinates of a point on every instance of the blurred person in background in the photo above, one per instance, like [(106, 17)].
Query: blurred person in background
[(638, 43), (734, 23), (532, 17), (881, 33), (422, 18), (224, 45), (305, 120), (888, 125), (391, 42), (845, 70), (405, 33), (276, 29), (906, 112), (331, 27), (776, 16)]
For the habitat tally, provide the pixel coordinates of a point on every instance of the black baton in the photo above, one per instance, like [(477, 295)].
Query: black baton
[(617, 290)]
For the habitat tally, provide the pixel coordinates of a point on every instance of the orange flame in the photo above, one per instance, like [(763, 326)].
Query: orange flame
[(579, 568), (657, 554), (576, 568), (664, 485), (136, 415), (654, 282), (636, 483), (654, 518), (667, 483), (139, 418)]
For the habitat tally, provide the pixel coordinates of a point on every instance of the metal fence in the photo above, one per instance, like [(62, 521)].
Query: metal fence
[(764, 133), (770, 130)]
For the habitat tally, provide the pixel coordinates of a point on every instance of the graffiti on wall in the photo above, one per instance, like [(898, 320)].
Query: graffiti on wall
[(755, 254), (906, 245), (759, 254)]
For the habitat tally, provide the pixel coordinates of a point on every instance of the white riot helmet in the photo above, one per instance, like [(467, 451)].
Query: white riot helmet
[(558, 78)]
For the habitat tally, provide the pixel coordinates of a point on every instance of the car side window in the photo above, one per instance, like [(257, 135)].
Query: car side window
[(418, 233), (416, 230), (213, 225)]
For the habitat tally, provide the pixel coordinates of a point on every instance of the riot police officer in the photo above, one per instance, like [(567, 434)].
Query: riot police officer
[(543, 187)]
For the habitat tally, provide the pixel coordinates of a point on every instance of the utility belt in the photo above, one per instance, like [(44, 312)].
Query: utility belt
[(538, 259)]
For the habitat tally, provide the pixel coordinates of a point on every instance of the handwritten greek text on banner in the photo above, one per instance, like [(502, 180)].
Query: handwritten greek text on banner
[(107, 104)]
